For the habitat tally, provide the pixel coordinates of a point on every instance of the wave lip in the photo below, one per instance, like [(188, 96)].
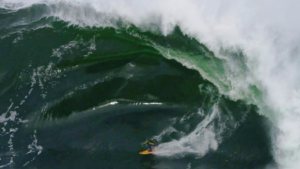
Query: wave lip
[(267, 33)]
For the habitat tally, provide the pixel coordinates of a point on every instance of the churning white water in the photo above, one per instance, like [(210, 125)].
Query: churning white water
[(267, 32)]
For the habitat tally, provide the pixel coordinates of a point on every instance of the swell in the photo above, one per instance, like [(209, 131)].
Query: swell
[(231, 66)]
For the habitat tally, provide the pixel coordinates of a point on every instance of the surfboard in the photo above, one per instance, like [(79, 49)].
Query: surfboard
[(146, 152)]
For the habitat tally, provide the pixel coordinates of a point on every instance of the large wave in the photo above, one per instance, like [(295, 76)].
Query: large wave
[(266, 33)]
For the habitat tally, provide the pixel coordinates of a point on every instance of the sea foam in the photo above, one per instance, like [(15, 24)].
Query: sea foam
[(267, 32)]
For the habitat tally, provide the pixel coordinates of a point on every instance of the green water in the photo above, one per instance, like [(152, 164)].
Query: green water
[(87, 97)]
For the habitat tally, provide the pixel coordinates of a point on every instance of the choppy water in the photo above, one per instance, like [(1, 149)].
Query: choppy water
[(83, 84)]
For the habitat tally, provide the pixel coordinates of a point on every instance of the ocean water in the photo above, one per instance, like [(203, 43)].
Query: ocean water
[(83, 83)]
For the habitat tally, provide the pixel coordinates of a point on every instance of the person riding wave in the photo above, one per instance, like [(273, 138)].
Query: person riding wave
[(151, 143)]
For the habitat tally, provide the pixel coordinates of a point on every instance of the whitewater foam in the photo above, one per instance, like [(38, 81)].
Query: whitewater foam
[(266, 32), (198, 142)]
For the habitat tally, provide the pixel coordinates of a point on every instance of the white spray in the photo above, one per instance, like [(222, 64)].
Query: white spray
[(268, 33)]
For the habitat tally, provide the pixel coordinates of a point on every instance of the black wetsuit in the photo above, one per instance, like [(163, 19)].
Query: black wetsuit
[(151, 144)]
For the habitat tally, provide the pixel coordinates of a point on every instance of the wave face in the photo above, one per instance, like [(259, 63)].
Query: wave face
[(96, 78)]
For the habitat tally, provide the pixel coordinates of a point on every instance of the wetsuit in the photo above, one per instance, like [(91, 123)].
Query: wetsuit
[(151, 144)]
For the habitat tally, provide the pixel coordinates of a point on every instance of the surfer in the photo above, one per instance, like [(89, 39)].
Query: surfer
[(151, 143)]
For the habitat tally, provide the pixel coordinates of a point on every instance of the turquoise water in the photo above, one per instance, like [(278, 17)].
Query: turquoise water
[(87, 97)]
